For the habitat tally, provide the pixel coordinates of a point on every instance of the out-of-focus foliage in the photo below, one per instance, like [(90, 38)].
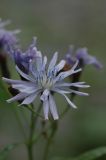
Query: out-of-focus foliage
[(90, 155), (4, 152)]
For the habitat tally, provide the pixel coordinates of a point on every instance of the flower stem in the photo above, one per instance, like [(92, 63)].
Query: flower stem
[(19, 122), (30, 143), (54, 125)]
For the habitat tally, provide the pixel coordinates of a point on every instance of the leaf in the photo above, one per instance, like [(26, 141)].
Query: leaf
[(60, 158), (90, 155), (5, 151)]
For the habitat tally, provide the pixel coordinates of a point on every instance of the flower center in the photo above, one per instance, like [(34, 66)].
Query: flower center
[(46, 82)]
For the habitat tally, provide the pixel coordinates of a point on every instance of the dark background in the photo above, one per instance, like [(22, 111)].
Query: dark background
[(57, 24)]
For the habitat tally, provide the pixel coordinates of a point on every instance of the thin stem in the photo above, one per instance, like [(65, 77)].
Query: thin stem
[(50, 138), (65, 111), (19, 122), (35, 112), (33, 121), (30, 145)]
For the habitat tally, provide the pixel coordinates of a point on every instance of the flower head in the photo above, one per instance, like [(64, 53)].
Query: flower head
[(43, 81), (22, 59), (84, 58), (7, 37)]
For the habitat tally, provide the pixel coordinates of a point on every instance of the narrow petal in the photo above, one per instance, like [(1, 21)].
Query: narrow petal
[(53, 108), (82, 53), (63, 75), (60, 65), (24, 75), (39, 60), (33, 69), (44, 95), (75, 65), (69, 101), (80, 86), (76, 84), (93, 60), (53, 61), (11, 81), (29, 99), (60, 90), (80, 93), (19, 96), (46, 109), (44, 63), (26, 89)]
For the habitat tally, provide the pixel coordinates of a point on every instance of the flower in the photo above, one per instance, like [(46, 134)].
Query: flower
[(7, 37), (43, 81), (22, 59), (84, 58)]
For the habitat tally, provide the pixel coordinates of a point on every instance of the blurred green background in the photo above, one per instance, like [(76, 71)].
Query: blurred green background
[(57, 24)]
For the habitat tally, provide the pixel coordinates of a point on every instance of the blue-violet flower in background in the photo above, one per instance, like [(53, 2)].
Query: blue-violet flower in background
[(7, 37), (43, 81), (22, 59), (82, 55)]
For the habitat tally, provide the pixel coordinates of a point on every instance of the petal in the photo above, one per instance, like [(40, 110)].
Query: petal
[(26, 88), (23, 86), (53, 108), (80, 86), (82, 53), (44, 95), (80, 93), (44, 63), (46, 109), (76, 84), (53, 61), (60, 65), (19, 96), (70, 58), (24, 75), (39, 60), (11, 81), (69, 101), (93, 60), (63, 75), (67, 91), (33, 69), (29, 99), (61, 90)]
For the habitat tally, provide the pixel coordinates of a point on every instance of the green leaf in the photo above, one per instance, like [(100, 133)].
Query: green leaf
[(60, 158), (90, 155), (5, 151)]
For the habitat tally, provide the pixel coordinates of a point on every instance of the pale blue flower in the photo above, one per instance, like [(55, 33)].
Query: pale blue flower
[(43, 81), (84, 58)]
